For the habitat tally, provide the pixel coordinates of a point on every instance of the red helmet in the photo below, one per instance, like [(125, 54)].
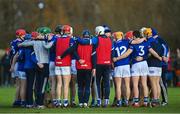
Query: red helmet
[(129, 35), (7, 50), (34, 35), (17, 33), (67, 29), (20, 32)]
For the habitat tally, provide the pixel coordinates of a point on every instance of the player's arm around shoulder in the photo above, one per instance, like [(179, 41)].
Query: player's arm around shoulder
[(51, 40), (92, 41), (26, 43), (138, 40), (125, 55)]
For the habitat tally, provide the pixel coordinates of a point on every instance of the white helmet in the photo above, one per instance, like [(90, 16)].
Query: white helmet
[(99, 30), (142, 31)]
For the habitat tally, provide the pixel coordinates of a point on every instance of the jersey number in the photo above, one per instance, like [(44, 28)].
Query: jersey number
[(13, 50), (120, 50), (141, 53)]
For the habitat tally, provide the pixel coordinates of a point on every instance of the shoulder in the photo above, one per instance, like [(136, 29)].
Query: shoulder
[(151, 39), (115, 43), (13, 42), (95, 39), (125, 41), (72, 39), (146, 43), (161, 40), (54, 37)]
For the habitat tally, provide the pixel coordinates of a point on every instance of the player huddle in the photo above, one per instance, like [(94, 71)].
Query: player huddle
[(59, 60)]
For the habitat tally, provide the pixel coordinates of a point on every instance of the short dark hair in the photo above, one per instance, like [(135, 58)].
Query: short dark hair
[(136, 34)]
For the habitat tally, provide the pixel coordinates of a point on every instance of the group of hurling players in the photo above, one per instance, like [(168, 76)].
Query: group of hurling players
[(49, 66)]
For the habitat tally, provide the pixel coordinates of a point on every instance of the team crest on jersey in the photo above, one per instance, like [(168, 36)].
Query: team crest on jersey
[(151, 71)]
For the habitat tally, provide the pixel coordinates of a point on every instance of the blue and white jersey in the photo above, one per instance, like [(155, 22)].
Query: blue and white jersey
[(21, 59), (150, 40), (140, 50), (14, 46), (120, 47)]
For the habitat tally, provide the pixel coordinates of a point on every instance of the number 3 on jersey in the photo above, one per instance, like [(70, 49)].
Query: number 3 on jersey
[(120, 50), (141, 53)]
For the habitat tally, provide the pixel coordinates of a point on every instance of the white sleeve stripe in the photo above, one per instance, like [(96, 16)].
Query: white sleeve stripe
[(93, 53), (32, 53), (164, 49), (90, 41)]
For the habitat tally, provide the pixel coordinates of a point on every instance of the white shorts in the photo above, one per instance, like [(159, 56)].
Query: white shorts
[(155, 71), (73, 68), (140, 69), (15, 73), (52, 69), (62, 71), (22, 75), (122, 71)]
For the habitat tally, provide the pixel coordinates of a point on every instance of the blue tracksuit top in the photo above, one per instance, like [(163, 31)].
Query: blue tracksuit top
[(157, 46)]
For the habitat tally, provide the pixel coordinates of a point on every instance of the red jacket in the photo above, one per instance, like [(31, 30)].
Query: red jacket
[(61, 45), (104, 51), (84, 52)]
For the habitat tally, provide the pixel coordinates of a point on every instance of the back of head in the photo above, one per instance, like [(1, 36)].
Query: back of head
[(45, 30), (136, 34), (86, 34), (142, 31), (106, 29), (148, 32), (118, 35), (129, 35), (67, 30), (99, 30), (34, 35), (20, 33), (58, 29)]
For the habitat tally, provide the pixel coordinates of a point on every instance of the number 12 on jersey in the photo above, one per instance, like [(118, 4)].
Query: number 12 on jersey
[(120, 50)]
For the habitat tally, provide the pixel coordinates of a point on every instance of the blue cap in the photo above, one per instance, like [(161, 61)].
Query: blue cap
[(27, 36), (86, 33), (107, 29)]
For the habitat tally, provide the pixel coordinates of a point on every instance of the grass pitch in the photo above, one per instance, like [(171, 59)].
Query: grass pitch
[(7, 96)]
